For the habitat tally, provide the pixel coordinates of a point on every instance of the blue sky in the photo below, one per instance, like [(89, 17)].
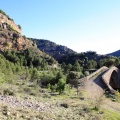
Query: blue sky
[(81, 25)]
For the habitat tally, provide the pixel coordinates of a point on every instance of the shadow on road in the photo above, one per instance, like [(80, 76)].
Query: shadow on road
[(99, 82)]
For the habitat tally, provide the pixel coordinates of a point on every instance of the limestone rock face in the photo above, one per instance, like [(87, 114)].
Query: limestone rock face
[(4, 19), (10, 35), (13, 40)]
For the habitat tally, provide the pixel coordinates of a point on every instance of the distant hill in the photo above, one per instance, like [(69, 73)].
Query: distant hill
[(63, 53), (89, 55), (54, 50), (116, 53)]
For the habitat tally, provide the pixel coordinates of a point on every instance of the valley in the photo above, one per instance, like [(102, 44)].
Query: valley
[(40, 80)]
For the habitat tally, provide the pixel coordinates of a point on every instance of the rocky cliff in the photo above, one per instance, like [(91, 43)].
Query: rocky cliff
[(11, 38), (5, 20), (11, 41)]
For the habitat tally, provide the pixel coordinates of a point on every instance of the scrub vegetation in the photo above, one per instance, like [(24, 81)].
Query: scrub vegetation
[(35, 86)]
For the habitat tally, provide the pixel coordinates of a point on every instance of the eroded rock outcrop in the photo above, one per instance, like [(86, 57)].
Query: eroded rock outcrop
[(4, 19), (11, 38)]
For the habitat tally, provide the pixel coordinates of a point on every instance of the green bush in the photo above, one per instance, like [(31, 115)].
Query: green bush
[(24, 37), (32, 93), (8, 92), (19, 27), (61, 85), (7, 44), (86, 73), (65, 105), (27, 89), (6, 15)]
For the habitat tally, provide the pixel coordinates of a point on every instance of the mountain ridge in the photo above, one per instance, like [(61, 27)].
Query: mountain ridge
[(62, 53), (53, 49), (116, 53)]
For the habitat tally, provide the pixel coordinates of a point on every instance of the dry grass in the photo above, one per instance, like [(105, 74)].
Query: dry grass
[(68, 106)]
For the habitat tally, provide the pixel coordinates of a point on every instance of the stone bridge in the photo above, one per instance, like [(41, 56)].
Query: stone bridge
[(110, 77)]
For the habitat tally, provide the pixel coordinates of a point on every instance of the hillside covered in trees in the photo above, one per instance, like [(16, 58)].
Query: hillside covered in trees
[(51, 48), (21, 52), (24, 53)]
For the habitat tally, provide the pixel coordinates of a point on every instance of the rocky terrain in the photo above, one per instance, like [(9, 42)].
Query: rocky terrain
[(4, 19), (69, 106), (12, 40)]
